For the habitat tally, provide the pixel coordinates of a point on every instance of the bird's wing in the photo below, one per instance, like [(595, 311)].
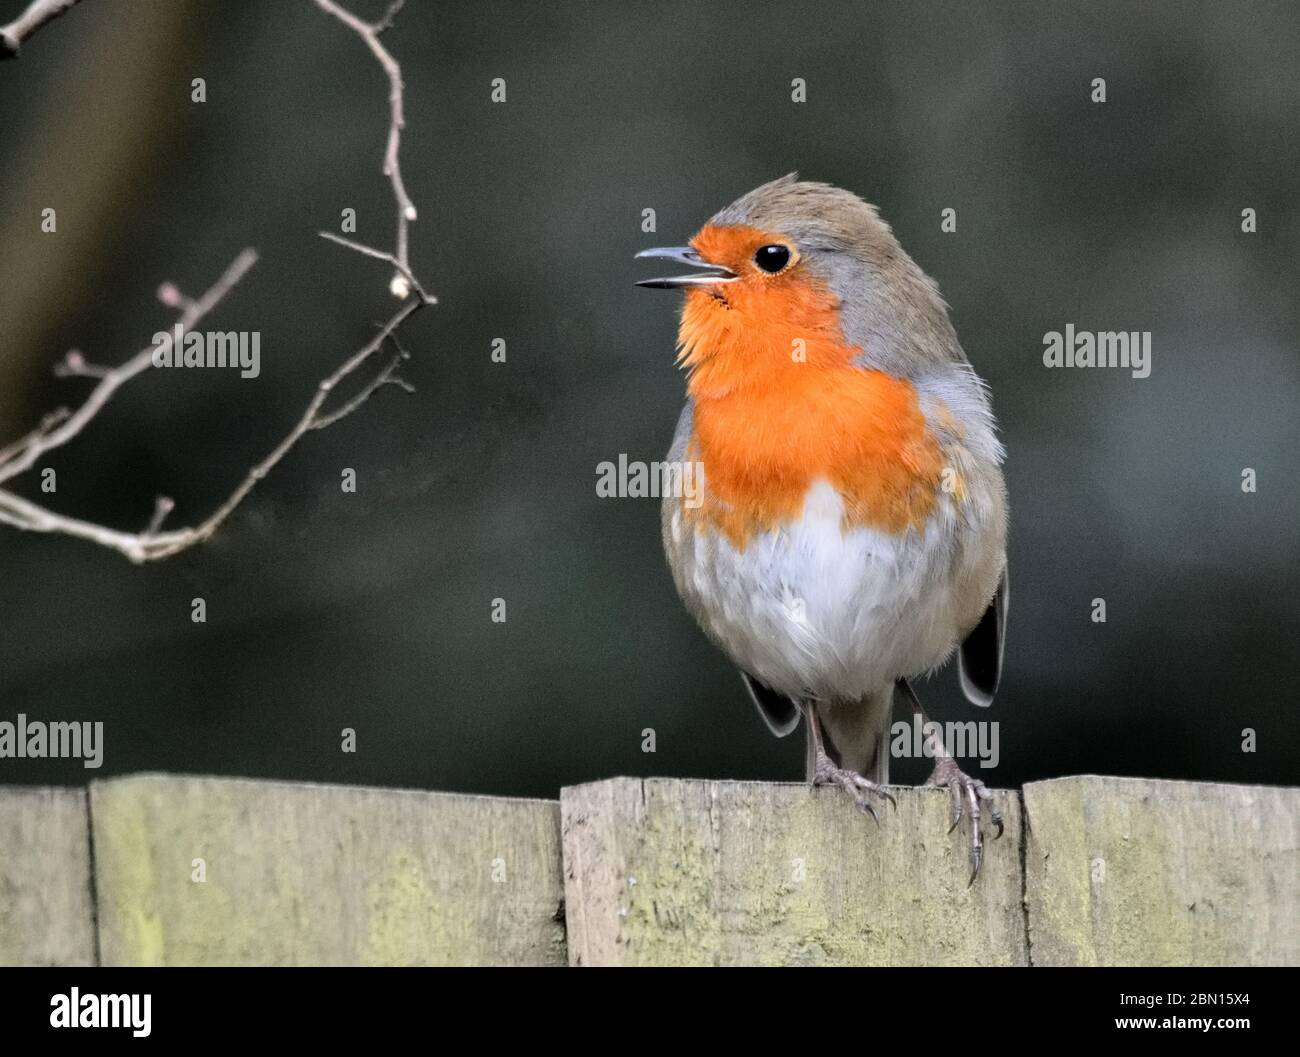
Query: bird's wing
[(779, 712), (980, 660)]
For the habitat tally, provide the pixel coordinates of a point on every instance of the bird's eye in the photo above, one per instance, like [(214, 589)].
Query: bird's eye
[(772, 258)]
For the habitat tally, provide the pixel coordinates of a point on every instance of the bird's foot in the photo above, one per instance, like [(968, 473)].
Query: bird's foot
[(860, 789), (963, 789)]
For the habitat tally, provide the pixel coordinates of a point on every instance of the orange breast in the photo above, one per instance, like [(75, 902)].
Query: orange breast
[(779, 406)]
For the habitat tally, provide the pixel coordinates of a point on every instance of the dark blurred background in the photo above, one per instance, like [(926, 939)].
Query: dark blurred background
[(372, 611)]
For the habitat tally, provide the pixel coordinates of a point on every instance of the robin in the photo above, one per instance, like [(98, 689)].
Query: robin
[(850, 532)]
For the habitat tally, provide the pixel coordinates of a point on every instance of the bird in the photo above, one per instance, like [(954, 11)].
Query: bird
[(848, 534)]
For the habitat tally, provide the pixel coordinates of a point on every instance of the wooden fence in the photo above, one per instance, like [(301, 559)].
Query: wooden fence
[(175, 870)]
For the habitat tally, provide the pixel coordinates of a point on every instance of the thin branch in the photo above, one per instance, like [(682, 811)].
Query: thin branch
[(22, 514), (162, 506), (114, 379), (386, 20), (369, 33), (37, 14), (74, 365), (61, 426), (404, 272), (151, 545), (21, 444), (387, 376)]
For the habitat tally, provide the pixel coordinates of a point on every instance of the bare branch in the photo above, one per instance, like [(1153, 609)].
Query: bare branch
[(114, 379), (58, 428), (152, 545), (162, 506), (387, 19), (22, 514), (74, 365), (47, 423), (37, 14), (385, 377), (370, 251), (307, 422), (397, 121)]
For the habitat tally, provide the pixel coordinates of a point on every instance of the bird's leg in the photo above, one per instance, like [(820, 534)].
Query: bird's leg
[(961, 787), (826, 772)]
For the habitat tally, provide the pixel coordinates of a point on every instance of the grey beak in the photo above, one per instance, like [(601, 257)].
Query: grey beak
[(685, 255)]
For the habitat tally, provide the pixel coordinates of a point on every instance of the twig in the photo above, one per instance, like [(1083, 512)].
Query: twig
[(162, 506), (386, 20), (369, 251), (369, 32), (63, 425), (47, 423), (152, 545), (37, 14), (114, 379), (387, 376), (167, 544), (74, 365)]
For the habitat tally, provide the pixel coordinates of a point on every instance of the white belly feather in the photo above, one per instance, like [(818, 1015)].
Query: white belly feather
[(814, 611)]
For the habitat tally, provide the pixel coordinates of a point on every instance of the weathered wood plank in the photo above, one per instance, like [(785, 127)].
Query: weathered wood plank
[(322, 875), (675, 872), (46, 911), (1131, 871)]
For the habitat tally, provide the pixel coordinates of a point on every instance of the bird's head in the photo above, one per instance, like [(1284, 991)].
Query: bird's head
[(797, 273)]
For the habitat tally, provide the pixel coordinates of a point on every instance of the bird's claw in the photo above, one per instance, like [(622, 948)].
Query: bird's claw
[(961, 787), (858, 787)]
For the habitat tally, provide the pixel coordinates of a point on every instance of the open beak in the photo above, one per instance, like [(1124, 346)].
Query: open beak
[(709, 276)]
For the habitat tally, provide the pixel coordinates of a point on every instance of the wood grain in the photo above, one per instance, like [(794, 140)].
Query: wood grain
[(676, 872), (1135, 871), (46, 912), (322, 875)]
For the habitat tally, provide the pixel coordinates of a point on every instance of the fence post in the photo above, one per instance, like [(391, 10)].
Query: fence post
[(46, 915), (1136, 871), (678, 872), (203, 871)]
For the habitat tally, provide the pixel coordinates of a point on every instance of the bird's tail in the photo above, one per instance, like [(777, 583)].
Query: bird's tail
[(856, 734)]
